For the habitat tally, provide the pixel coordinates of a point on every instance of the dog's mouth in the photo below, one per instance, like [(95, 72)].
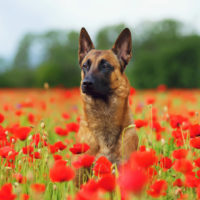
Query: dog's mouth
[(86, 89), (91, 91)]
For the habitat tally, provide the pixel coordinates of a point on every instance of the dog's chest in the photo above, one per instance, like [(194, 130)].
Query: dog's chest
[(102, 123)]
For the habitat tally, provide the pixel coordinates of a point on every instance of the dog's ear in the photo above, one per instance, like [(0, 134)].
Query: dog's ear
[(123, 48), (85, 44)]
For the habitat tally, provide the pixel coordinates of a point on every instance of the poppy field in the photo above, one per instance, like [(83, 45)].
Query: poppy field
[(38, 129)]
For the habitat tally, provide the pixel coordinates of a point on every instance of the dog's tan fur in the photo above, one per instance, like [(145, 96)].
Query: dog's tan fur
[(103, 123)]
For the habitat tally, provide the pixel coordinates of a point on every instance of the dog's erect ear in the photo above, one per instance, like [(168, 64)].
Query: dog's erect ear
[(123, 48), (85, 44)]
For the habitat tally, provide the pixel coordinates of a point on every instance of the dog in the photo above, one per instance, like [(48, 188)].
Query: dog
[(105, 124)]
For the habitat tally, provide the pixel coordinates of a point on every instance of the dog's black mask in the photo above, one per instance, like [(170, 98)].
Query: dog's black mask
[(96, 82)]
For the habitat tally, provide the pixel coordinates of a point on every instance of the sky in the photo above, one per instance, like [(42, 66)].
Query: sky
[(18, 17)]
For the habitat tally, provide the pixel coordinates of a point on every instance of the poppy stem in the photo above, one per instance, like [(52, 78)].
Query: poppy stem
[(123, 132)]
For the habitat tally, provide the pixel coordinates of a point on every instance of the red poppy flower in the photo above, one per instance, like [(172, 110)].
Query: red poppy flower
[(140, 123), (78, 119), (84, 161), (2, 133), (198, 191), (22, 133), (60, 145), (60, 131), (27, 149), (6, 192), (107, 182), (195, 142), (91, 186), (31, 118), (1, 118), (130, 100), (5, 151), (198, 173), (132, 180), (24, 197), (79, 148), (191, 181), (177, 134), (143, 159), (27, 104), (36, 139), (65, 115), (177, 120), (191, 113), (180, 153), (53, 149), (39, 188), (73, 127), (158, 189), (157, 127), (194, 130), (6, 107), (102, 166), (19, 178), (18, 112), (150, 100), (89, 191), (197, 162), (142, 148), (60, 172), (178, 182), (132, 91), (57, 157), (166, 163), (185, 125), (57, 146), (182, 165), (35, 155), (151, 173)]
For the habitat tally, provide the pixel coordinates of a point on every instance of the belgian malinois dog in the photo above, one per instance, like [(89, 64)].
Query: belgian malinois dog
[(105, 96)]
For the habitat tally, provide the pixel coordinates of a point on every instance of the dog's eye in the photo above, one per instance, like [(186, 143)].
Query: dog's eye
[(104, 65), (86, 66)]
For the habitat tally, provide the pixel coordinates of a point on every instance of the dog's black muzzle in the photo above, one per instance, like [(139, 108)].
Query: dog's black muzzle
[(88, 85), (96, 87)]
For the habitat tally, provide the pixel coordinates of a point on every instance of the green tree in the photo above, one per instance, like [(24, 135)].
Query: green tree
[(166, 56), (106, 36), (60, 67), (162, 54), (22, 57)]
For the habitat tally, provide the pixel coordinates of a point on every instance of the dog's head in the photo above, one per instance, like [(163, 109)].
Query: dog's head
[(103, 70)]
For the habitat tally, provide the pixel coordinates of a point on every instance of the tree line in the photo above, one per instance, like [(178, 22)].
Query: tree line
[(164, 52)]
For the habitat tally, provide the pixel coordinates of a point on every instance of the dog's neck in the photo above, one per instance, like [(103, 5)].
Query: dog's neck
[(115, 109), (115, 106), (116, 116), (94, 106)]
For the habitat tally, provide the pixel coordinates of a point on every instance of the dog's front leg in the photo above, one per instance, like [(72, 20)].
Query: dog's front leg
[(110, 152), (128, 142)]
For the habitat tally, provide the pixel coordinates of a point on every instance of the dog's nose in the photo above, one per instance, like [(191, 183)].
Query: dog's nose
[(88, 82)]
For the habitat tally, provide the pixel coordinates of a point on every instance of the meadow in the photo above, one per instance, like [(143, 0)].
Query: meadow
[(38, 129)]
